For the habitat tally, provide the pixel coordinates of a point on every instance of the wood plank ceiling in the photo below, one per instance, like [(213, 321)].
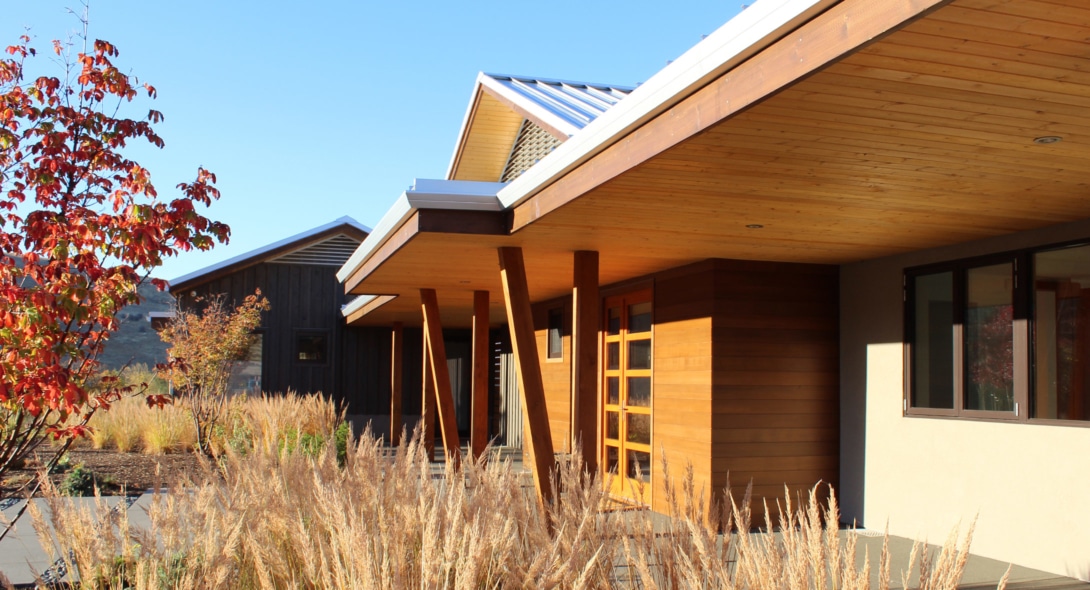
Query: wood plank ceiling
[(921, 139)]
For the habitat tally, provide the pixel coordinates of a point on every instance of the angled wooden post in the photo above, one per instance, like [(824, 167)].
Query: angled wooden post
[(440, 373), (584, 357), (524, 345), (427, 404), (397, 344), (478, 430)]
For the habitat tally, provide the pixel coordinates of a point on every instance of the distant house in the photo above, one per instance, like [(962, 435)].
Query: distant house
[(842, 241), (302, 344)]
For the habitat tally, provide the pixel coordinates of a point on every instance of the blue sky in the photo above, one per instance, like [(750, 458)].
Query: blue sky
[(307, 111)]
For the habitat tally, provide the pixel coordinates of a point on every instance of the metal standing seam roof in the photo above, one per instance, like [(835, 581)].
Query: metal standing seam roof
[(574, 103)]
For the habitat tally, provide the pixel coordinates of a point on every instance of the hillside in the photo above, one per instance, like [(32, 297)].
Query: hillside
[(136, 342)]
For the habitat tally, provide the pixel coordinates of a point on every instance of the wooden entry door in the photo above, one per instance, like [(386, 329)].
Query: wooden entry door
[(626, 388)]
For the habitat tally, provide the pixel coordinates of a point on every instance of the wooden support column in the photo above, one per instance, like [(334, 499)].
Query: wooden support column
[(427, 405), (516, 297), (586, 304), (440, 373), (397, 345), (478, 431)]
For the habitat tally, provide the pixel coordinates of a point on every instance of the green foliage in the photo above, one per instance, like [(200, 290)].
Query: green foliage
[(234, 433), (79, 482), (308, 443), (63, 464), (341, 435)]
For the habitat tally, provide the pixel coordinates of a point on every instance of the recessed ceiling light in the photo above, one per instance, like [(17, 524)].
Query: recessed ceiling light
[(754, 226), (1047, 139)]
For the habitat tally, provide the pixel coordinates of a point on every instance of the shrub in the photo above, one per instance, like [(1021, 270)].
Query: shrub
[(79, 482), (205, 344)]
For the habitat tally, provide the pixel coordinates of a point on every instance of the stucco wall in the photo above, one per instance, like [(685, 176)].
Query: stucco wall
[(1028, 484)]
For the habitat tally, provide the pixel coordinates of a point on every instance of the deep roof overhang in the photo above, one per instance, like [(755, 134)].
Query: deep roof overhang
[(872, 129)]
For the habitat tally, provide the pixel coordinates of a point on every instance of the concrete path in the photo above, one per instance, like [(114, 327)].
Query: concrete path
[(22, 558)]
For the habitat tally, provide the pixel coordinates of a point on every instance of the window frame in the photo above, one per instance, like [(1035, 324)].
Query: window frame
[(1021, 302), (326, 352), (557, 314)]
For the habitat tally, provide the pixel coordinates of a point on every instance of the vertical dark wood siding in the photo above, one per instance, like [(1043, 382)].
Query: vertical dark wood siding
[(308, 298)]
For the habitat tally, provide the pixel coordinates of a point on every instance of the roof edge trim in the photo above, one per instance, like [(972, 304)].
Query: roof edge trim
[(742, 36), (457, 195), (268, 248)]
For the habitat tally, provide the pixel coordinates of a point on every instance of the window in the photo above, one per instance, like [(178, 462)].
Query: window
[(310, 347), (1061, 335), (246, 373), (556, 333), (1005, 337)]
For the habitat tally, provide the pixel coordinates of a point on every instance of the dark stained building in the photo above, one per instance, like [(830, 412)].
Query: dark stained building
[(304, 344)]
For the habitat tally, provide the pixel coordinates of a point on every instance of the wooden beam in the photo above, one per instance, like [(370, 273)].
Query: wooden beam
[(478, 432), (516, 297), (427, 405), (437, 359), (586, 304), (397, 345)]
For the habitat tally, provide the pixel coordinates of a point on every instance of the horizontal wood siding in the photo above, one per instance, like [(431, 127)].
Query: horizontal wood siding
[(775, 409), (683, 303), (556, 373)]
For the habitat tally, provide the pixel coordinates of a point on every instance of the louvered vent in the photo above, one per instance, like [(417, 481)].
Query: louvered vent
[(533, 143), (334, 251)]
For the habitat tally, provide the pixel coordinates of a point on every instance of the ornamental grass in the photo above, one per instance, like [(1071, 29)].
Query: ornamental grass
[(279, 517)]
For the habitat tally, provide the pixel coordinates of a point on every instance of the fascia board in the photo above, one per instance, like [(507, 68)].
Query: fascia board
[(394, 218), (459, 195), (752, 30), (356, 304)]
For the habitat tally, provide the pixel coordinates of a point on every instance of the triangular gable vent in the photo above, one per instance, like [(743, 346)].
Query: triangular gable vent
[(334, 251), (533, 144)]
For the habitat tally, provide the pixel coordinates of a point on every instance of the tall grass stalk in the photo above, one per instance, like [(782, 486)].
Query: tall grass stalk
[(390, 519)]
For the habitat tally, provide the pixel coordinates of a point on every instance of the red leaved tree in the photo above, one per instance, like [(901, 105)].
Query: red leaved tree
[(81, 226)]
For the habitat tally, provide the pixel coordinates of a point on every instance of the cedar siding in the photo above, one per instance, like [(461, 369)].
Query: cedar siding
[(745, 375), (556, 373), (775, 416)]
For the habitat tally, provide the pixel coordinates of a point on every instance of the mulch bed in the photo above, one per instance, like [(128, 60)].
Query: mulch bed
[(114, 472)]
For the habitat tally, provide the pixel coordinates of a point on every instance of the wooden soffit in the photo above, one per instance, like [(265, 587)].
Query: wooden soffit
[(879, 127), (922, 138), (490, 132)]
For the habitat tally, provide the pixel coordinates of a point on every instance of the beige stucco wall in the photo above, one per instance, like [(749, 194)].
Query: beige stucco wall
[(1027, 484)]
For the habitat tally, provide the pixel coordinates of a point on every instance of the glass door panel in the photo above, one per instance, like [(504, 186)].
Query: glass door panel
[(626, 372)]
